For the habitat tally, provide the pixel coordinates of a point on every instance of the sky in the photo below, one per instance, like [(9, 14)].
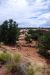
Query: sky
[(27, 13)]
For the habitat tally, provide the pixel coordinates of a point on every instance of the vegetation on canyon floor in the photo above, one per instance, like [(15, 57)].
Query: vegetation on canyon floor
[(10, 33)]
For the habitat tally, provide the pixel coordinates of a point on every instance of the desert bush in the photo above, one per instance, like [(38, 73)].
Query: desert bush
[(30, 71), (34, 34), (5, 57), (44, 44), (15, 67), (28, 38), (33, 69), (17, 58), (31, 35), (12, 67)]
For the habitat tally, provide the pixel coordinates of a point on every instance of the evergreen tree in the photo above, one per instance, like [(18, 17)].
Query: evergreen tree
[(4, 31), (9, 32)]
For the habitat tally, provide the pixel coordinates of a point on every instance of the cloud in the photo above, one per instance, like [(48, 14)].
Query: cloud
[(28, 13)]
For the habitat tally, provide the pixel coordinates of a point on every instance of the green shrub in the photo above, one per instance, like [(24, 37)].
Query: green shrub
[(44, 44), (17, 58), (31, 35), (28, 38), (12, 67), (5, 57), (30, 71), (34, 34), (34, 68)]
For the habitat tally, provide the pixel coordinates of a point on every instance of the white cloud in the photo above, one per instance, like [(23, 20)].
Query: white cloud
[(26, 12)]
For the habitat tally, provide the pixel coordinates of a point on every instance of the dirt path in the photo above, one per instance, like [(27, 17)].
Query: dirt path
[(27, 52)]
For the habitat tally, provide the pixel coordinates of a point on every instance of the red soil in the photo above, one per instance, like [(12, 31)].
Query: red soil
[(28, 52)]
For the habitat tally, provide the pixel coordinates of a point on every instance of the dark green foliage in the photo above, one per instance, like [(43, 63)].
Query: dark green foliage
[(43, 38), (28, 38), (9, 32), (44, 44), (31, 35), (4, 31), (39, 32)]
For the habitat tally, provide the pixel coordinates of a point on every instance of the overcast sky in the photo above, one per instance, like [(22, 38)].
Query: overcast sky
[(28, 13)]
